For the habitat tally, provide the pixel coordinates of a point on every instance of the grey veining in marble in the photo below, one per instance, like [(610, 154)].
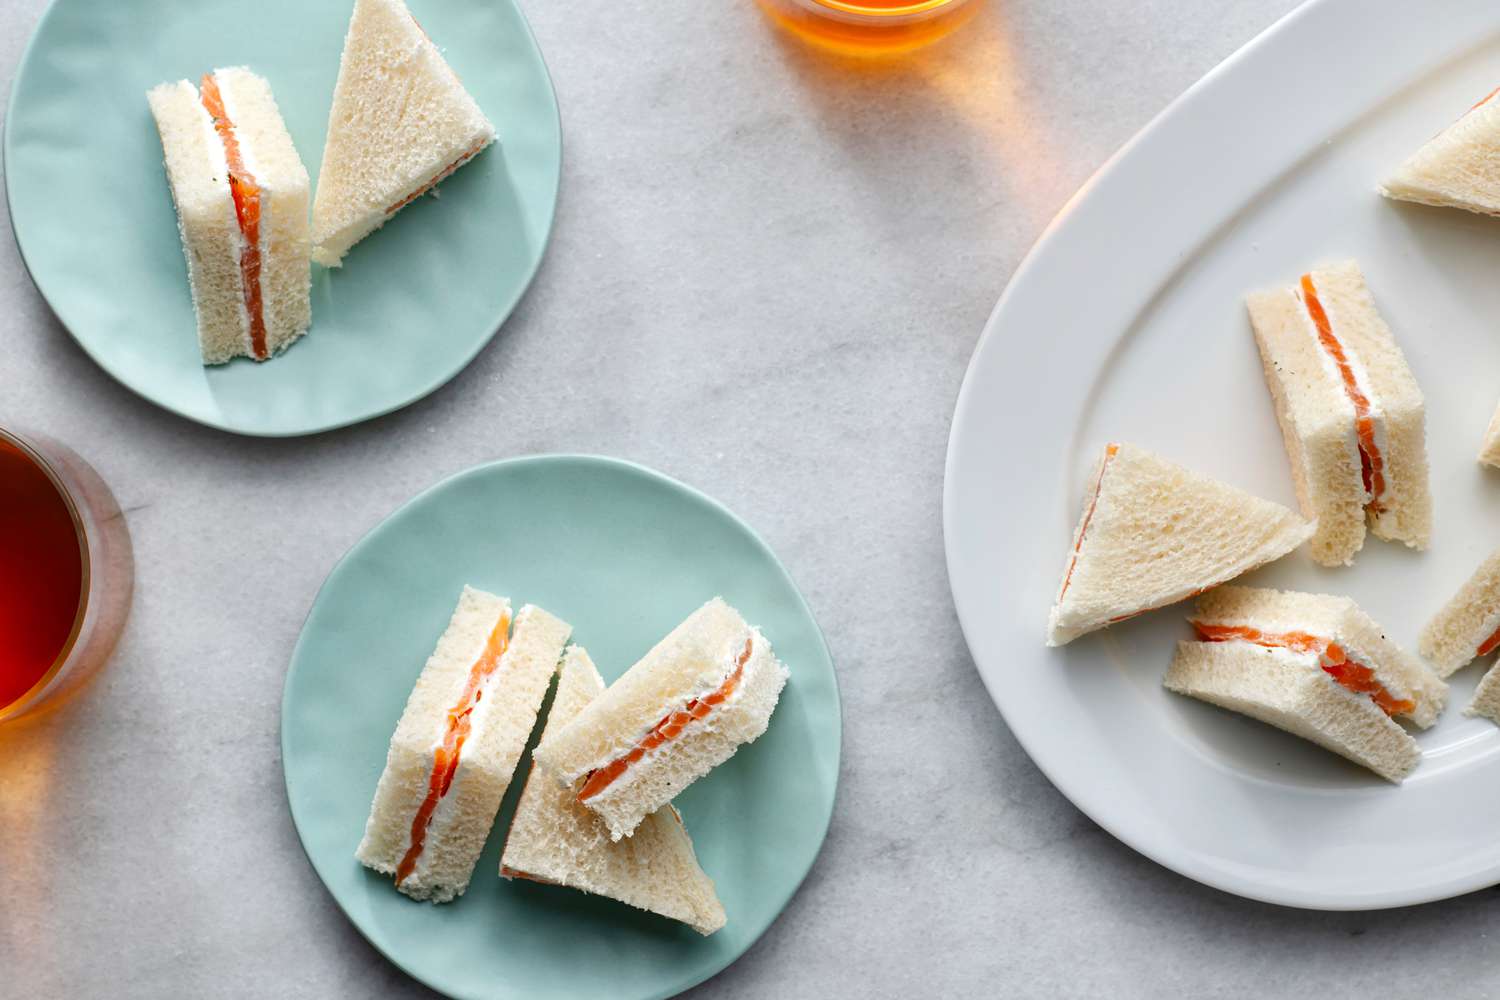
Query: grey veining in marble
[(768, 273)]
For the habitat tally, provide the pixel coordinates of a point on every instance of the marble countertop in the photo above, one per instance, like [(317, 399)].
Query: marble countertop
[(820, 243)]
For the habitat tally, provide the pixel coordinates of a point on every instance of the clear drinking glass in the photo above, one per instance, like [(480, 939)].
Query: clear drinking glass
[(871, 27), (66, 573)]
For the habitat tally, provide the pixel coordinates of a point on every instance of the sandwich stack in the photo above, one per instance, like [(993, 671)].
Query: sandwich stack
[(605, 826)]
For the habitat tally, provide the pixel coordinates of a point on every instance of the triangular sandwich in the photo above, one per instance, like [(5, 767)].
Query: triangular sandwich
[(1457, 168), (1486, 701), (1153, 533), (1468, 626), (1314, 666), (1466, 629), (401, 122), (1489, 448), (555, 839)]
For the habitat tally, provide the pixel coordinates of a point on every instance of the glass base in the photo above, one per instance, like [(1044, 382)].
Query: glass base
[(863, 29)]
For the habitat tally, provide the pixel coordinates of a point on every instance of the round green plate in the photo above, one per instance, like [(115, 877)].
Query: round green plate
[(413, 303), (624, 554)]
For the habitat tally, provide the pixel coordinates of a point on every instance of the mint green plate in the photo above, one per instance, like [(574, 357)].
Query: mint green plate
[(413, 303), (624, 554)]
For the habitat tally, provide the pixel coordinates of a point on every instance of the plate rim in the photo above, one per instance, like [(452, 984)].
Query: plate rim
[(1093, 805), (28, 53), (616, 465)]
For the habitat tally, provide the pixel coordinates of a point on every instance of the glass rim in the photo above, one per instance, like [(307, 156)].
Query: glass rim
[(32, 694), (875, 13)]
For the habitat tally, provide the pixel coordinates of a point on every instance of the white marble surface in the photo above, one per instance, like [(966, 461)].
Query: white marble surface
[(768, 273)]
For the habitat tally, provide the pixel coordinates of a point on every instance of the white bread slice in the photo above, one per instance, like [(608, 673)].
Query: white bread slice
[(1336, 619), (1152, 534), (691, 662), (1454, 635), (1486, 701), (1291, 692), (206, 221), (1457, 168), (1317, 416), (554, 839), (212, 242), (1489, 448), (501, 723), (286, 276), (401, 121)]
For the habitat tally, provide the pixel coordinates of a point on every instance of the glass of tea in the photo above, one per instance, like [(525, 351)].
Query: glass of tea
[(871, 27), (66, 573)]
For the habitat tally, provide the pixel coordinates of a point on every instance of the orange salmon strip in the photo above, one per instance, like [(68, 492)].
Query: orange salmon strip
[(1335, 662), (1488, 646), (1372, 465), (246, 194), (669, 728), (1184, 597), (442, 175), (445, 757), (1109, 453), (1484, 100)]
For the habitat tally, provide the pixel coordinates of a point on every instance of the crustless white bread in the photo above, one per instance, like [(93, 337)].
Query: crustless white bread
[(401, 122), (1153, 533)]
